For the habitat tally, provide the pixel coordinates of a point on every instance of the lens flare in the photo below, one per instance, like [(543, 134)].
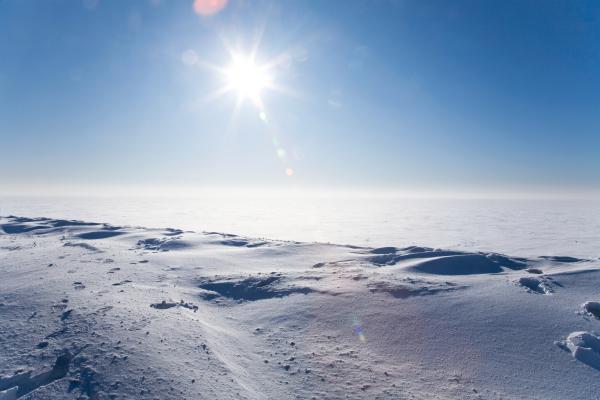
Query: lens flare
[(358, 331), (208, 7), (189, 57)]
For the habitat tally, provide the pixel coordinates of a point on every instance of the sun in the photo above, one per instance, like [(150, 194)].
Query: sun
[(244, 76), (247, 78), (250, 81)]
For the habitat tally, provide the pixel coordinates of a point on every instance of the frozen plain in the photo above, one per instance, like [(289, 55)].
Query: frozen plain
[(97, 311)]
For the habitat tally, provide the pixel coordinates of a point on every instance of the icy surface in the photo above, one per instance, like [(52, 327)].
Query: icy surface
[(95, 311), (528, 228)]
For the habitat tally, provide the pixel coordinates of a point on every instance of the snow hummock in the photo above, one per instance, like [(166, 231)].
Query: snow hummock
[(96, 311), (585, 347)]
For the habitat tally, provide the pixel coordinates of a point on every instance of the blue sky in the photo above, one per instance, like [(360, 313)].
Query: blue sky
[(390, 94)]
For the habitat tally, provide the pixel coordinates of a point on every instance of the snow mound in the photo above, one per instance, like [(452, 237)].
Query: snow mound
[(444, 262), (163, 244), (535, 285), (463, 264), (592, 308), (585, 347)]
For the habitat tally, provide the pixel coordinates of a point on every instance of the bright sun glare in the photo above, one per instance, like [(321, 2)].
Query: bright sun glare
[(245, 77), (249, 80)]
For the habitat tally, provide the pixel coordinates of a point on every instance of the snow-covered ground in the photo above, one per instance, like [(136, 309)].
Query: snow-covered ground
[(112, 312), (520, 227)]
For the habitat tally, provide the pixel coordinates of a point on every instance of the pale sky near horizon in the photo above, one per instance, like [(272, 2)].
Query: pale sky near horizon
[(390, 94)]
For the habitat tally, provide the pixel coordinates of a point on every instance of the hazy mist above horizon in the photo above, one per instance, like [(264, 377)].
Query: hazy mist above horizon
[(398, 95)]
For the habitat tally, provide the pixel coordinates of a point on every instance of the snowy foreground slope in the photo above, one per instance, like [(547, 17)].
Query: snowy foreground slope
[(95, 311)]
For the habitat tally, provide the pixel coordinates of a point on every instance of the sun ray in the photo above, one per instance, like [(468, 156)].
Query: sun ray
[(215, 94), (257, 40), (235, 112)]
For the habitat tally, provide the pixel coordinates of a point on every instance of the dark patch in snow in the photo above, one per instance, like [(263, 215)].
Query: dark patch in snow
[(59, 223), (536, 271), (150, 244), (21, 228), (238, 242), (384, 250), (416, 249), (563, 259), (411, 287), (102, 234), (87, 383), (535, 285), (82, 245), (10, 248), (252, 288), (514, 263), (173, 232), (220, 234), (162, 244), (66, 314), (592, 308), (461, 264), (164, 305), (445, 262)]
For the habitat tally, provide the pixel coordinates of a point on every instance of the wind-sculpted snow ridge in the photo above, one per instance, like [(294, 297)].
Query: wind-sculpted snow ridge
[(445, 262), (90, 310)]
